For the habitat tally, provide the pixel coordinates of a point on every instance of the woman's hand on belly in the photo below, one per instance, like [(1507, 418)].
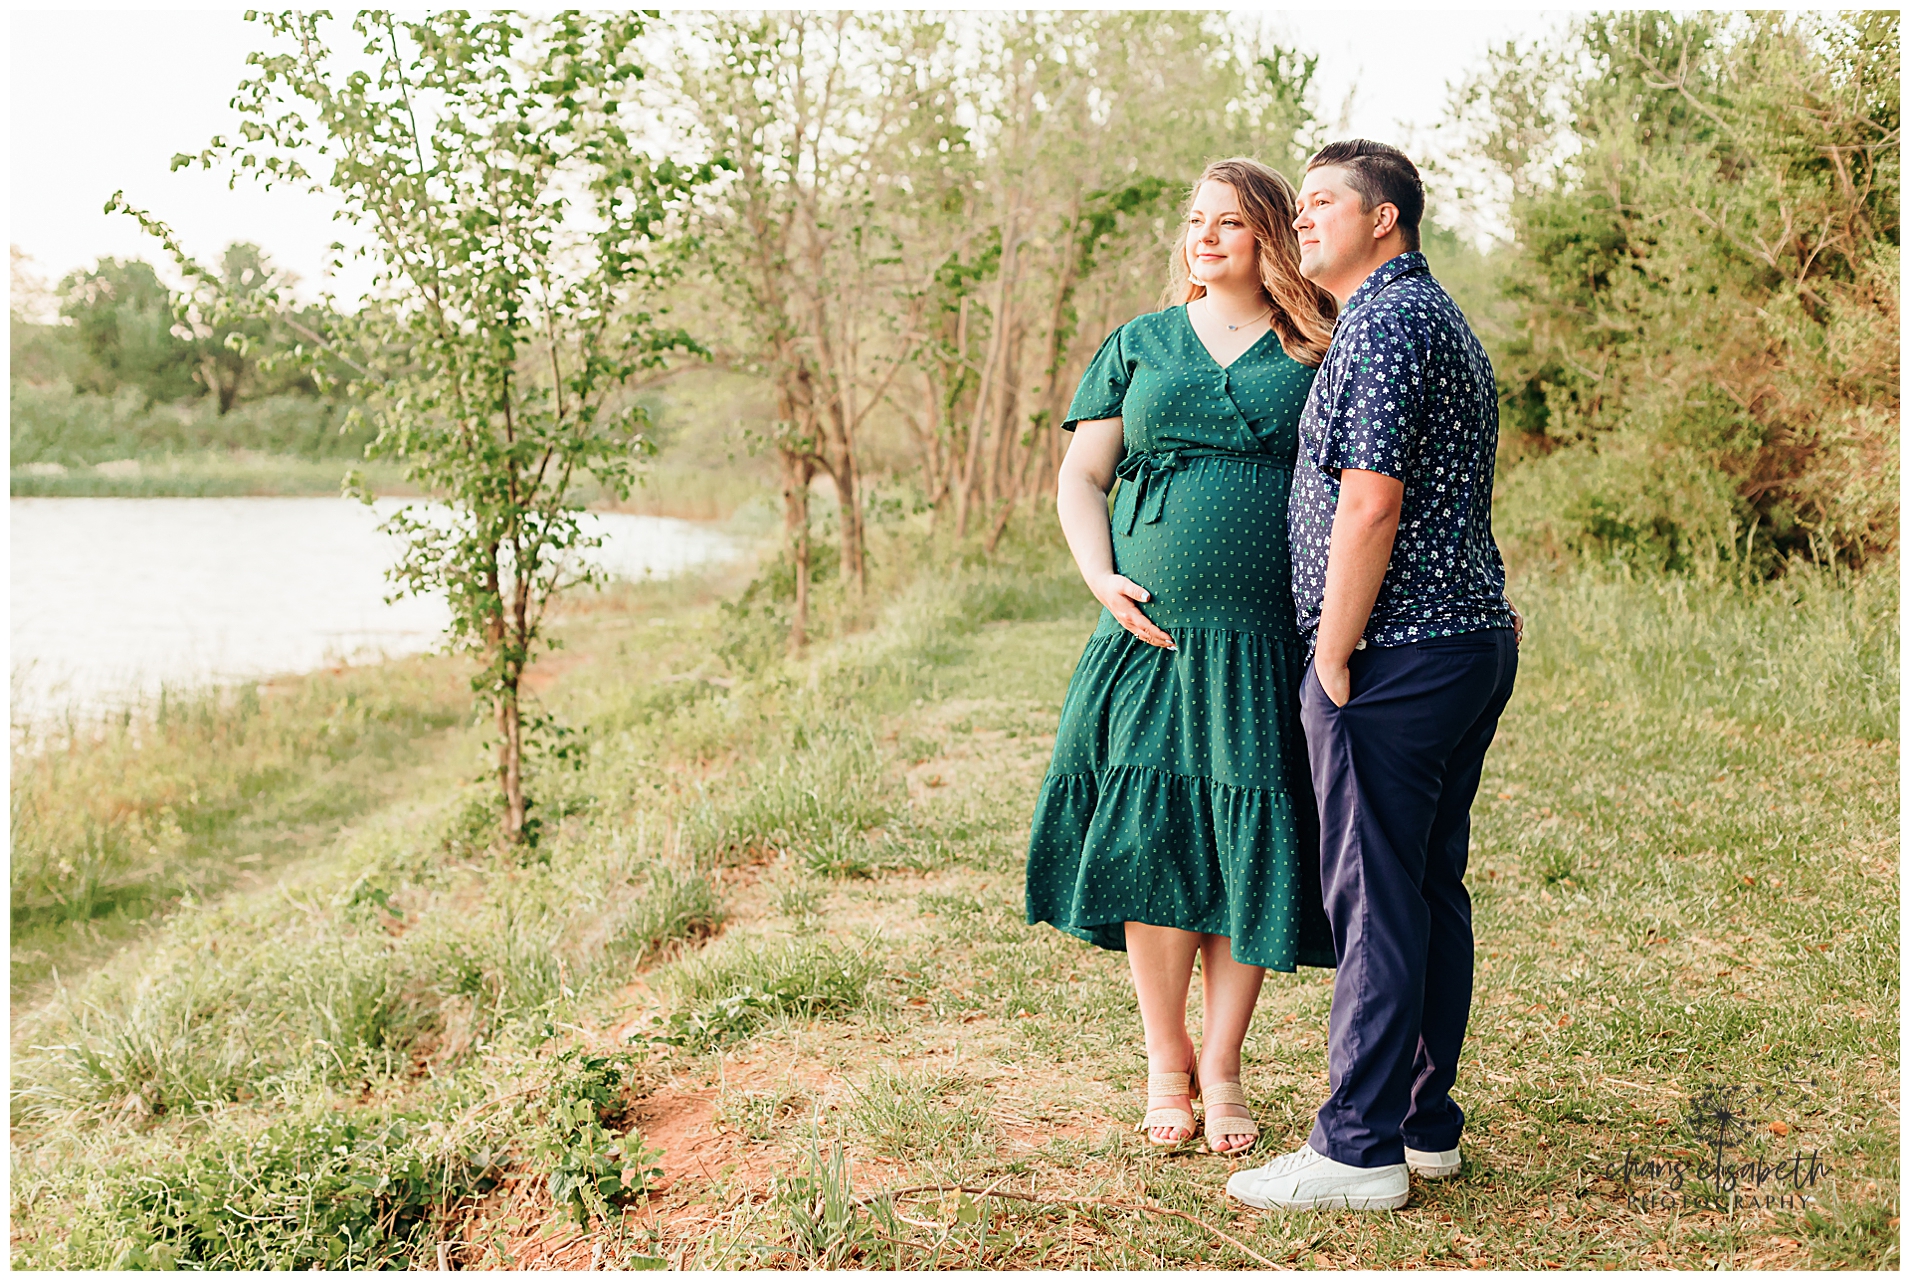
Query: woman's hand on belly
[(1120, 595)]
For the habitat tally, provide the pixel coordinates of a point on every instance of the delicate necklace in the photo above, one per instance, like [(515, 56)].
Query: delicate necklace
[(1248, 321)]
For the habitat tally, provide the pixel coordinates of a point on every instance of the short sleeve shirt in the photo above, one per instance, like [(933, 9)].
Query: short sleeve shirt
[(1156, 376), (1406, 390)]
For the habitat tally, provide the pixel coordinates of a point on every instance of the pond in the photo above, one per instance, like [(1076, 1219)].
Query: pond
[(112, 598)]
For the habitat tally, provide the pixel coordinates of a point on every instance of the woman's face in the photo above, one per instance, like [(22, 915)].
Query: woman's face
[(1221, 250)]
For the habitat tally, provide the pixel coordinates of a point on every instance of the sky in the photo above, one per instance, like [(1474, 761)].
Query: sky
[(100, 101)]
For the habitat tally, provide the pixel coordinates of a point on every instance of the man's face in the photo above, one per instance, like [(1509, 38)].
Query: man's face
[(1336, 235)]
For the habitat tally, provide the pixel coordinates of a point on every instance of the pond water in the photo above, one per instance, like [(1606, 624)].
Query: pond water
[(112, 598)]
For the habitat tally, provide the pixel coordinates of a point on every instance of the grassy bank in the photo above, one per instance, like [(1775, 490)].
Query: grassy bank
[(204, 475), (115, 822), (767, 962), (670, 489), (69, 444)]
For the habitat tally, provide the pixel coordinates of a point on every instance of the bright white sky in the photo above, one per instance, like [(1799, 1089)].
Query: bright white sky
[(102, 101)]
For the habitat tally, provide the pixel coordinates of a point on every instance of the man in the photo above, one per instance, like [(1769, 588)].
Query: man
[(1401, 592)]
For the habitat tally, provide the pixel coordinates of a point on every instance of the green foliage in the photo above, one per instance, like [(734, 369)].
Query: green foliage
[(1700, 369), (588, 1166), (318, 1190), (125, 333), (81, 429), (246, 351), (516, 237), (122, 322)]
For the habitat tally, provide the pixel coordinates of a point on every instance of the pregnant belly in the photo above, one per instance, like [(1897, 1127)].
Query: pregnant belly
[(1217, 557)]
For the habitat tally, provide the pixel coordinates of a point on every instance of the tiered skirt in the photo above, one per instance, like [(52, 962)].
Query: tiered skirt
[(1178, 793)]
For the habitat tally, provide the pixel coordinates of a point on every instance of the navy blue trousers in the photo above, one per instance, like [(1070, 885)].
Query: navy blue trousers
[(1394, 773)]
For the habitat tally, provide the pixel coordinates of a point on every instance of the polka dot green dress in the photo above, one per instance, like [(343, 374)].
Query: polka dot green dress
[(1178, 793)]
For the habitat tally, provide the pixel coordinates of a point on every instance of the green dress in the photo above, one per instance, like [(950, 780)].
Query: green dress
[(1178, 794)]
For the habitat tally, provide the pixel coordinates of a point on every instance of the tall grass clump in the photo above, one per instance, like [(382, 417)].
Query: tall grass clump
[(733, 995), (1815, 652), (820, 797), (115, 816)]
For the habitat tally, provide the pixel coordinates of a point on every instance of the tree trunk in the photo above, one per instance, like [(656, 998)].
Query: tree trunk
[(848, 503), (798, 469), (965, 495), (510, 751), (1057, 393), (1007, 439), (1011, 497)]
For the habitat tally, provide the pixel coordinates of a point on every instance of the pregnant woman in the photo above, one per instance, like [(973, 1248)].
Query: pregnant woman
[(1176, 819)]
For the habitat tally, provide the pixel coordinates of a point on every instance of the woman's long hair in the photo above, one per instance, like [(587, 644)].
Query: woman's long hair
[(1302, 311)]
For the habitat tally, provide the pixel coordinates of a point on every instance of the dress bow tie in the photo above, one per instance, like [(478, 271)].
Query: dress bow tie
[(1145, 478)]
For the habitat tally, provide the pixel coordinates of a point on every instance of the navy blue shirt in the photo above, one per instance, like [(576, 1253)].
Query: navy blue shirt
[(1406, 390)]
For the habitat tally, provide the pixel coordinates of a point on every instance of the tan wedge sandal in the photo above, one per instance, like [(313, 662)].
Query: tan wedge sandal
[(1226, 1127), (1169, 1084)]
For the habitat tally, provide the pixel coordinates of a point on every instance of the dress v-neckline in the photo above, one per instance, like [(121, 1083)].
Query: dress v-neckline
[(1208, 351)]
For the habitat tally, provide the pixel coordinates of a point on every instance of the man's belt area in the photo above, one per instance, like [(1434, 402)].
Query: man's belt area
[(1145, 478)]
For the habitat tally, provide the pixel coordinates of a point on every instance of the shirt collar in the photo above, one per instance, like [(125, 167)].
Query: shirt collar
[(1385, 274)]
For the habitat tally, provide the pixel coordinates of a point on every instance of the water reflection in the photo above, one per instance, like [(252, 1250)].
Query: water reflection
[(111, 597)]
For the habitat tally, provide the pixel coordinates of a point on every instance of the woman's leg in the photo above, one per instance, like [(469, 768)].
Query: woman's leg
[(1228, 993), (1162, 961)]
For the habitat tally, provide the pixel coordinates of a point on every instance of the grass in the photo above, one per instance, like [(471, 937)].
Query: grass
[(53, 426), (68, 444), (770, 944), (113, 821), (201, 475)]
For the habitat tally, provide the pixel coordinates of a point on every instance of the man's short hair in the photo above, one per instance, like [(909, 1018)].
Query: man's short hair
[(1382, 175)]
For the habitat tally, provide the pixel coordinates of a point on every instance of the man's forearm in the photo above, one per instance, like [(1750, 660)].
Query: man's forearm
[(1357, 558)]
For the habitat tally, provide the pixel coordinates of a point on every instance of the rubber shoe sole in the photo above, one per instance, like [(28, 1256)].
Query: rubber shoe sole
[(1433, 1165), (1374, 1194)]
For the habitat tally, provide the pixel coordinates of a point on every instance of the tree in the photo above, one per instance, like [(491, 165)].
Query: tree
[(1704, 367), (122, 317), (240, 356), (1089, 128), (518, 234), (805, 231)]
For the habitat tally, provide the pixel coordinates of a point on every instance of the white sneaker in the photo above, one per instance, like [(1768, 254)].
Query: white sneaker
[(1305, 1180), (1433, 1165)]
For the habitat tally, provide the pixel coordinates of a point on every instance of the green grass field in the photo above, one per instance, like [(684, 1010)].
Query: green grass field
[(765, 969)]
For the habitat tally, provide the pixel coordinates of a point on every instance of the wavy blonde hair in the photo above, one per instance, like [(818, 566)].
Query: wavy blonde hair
[(1302, 311)]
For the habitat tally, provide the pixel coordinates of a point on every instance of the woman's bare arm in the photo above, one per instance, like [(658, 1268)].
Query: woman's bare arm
[(1081, 500)]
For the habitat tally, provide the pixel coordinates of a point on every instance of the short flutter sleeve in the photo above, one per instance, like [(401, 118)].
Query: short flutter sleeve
[(1103, 387)]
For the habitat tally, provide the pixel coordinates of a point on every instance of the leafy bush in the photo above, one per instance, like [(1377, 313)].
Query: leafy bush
[(588, 1165), (1701, 365)]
